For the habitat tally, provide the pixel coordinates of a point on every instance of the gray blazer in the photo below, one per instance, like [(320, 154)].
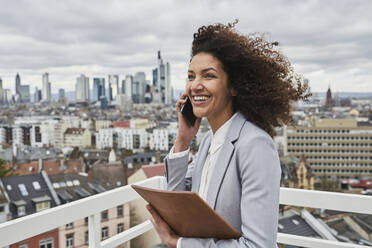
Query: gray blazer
[(244, 187)]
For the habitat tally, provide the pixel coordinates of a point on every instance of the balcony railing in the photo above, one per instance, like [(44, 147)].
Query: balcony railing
[(19, 229)]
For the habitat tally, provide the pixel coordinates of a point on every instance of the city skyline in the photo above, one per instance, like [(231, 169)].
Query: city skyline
[(328, 42)]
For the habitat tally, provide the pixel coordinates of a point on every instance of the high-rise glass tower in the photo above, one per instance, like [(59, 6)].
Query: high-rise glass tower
[(162, 80), (37, 95), (17, 84), (128, 85), (113, 81), (46, 89), (24, 93), (99, 89), (82, 89), (1, 92), (139, 87)]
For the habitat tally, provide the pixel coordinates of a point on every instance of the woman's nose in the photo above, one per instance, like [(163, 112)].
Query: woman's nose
[(196, 85)]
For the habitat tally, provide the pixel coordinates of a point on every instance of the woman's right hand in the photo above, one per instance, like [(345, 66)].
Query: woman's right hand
[(185, 132)]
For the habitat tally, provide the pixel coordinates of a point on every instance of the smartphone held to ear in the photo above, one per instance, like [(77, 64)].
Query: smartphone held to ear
[(187, 112)]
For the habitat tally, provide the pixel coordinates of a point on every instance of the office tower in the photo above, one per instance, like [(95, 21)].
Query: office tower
[(82, 89), (7, 96), (139, 87), (1, 92), (123, 86), (37, 95), (99, 88), (113, 87), (162, 80), (61, 94), (335, 148), (128, 85), (17, 84), (24, 92), (46, 89), (148, 96)]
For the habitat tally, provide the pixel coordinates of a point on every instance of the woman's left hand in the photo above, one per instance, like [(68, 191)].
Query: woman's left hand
[(165, 232)]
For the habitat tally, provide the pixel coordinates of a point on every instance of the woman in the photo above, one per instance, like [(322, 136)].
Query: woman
[(244, 87)]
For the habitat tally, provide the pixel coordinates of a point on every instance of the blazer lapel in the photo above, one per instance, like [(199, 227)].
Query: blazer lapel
[(223, 160), (199, 163)]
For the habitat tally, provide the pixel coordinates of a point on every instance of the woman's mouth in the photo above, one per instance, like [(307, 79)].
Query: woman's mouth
[(200, 98)]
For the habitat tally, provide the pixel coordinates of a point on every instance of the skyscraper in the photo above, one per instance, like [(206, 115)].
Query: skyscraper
[(128, 85), (82, 89), (61, 94), (99, 88), (139, 87), (46, 89), (113, 87), (1, 92), (17, 84), (123, 86), (7, 96), (162, 80), (37, 95), (24, 92)]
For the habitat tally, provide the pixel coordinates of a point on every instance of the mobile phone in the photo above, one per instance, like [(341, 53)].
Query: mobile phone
[(188, 113)]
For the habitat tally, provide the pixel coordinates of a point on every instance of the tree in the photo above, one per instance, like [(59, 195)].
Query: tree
[(5, 171)]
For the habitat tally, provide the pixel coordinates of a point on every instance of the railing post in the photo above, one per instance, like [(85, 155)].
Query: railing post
[(94, 231), (163, 183)]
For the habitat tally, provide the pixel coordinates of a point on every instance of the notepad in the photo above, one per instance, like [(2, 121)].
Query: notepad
[(188, 214)]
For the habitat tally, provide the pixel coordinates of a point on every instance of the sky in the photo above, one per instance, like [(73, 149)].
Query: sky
[(328, 42)]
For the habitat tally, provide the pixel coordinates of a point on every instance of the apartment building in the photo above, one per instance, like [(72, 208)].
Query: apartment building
[(77, 137), (129, 138), (72, 187), (162, 139), (335, 148)]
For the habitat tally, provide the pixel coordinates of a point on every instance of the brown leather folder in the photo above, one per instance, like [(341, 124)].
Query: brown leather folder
[(187, 214)]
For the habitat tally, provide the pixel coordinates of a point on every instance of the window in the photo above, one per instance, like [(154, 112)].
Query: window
[(23, 246), (86, 237), (86, 220), (104, 233), (104, 215), (21, 210), (69, 225), (1, 209), (46, 243), (69, 240), (120, 227), (23, 189), (120, 211), (36, 185), (42, 206)]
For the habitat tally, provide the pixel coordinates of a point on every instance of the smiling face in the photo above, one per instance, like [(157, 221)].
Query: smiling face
[(208, 89)]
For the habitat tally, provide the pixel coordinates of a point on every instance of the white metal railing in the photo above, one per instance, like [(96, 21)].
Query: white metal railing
[(19, 229), (22, 228)]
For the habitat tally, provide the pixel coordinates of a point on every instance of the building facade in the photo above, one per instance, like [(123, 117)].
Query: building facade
[(46, 90), (77, 137), (334, 148), (82, 89)]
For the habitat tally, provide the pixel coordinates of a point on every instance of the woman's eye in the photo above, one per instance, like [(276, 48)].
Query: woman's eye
[(209, 75), (190, 77)]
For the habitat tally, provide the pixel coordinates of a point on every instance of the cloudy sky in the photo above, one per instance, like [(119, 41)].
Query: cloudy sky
[(327, 41)]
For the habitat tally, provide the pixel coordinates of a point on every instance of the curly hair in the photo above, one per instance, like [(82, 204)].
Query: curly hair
[(263, 77)]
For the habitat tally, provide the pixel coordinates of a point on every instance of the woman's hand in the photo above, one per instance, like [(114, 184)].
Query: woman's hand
[(185, 132), (165, 232)]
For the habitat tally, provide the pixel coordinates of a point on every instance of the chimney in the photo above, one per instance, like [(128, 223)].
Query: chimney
[(90, 176), (157, 157), (40, 164)]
